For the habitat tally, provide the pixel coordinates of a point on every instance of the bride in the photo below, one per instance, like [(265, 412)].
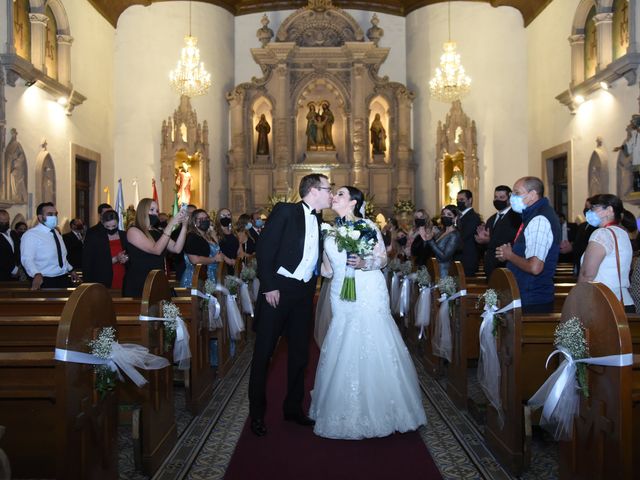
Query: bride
[(366, 385)]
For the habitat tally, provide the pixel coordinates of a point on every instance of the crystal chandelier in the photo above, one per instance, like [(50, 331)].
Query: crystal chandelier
[(189, 77), (450, 81)]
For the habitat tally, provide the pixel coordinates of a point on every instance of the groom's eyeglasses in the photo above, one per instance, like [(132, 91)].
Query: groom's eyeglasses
[(328, 189)]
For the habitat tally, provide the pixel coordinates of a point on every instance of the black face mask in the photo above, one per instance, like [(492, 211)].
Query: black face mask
[(112, 231), (225, 221), (402, 241), (4, 227), (204, 225), (420, 222), (500, 204), (447, 221), (461, 205), (163, 224), (154, 220)]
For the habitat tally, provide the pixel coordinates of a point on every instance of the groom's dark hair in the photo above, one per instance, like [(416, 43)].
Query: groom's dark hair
[(310, 181), (358, 196)]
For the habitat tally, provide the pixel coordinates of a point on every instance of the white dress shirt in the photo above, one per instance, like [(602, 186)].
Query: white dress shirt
[(39, 254), (306, 267), (7, 236)]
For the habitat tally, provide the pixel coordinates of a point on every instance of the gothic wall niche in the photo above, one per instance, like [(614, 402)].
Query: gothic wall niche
[(45, 176), (598, 170), (457, 162), (184, 140), (262, 132), (16, 170), (379, 141)]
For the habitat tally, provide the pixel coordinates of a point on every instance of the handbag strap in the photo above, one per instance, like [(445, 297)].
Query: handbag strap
[(615, 240)]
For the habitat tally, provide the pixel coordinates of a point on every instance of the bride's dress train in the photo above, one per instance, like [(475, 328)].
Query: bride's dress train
[(366, 384)]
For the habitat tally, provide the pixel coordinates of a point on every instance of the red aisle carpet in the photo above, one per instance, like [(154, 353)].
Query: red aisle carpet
[(290, 451)]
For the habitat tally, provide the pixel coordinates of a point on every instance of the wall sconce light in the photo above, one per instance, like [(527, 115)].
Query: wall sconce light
[(28, 83), (578, 100), (605, 85)]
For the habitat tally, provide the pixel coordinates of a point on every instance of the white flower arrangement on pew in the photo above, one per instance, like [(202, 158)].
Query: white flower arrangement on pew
[(491, 300), (169, 311), (101, 347), (405, 267), (448, 285), (570, 336), (210, 288), (394, 265), (248, 273), (232, 284), (423, 279)]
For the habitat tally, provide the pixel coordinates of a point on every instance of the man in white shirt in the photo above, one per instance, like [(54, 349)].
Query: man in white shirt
[(43, 254), (9, 249)]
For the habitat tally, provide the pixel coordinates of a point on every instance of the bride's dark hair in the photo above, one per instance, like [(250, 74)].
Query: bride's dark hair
[(358, 196)]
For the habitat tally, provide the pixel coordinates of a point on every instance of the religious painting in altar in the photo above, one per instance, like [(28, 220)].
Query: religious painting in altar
[(457, 164), (590, 45), (184, 159), (325, 110), (51, 45), (22, 29), (620, 28)]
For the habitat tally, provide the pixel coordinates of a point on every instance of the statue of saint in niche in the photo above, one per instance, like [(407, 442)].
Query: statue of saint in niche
[(263, 128), (183, 182), (49, 182), (319, 127), (631, 148), (16, 162), (378, 136)]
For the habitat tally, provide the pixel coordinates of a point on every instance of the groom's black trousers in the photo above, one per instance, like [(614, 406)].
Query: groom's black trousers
[(292, 319)]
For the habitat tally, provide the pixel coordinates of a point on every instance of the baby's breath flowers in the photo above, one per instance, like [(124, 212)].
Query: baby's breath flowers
[(169, 311), (490, 299), (248, 273), (423, 279), (210, 286), (570, 336), (405, 267), (101, 347), (394, 265), (232, 284), (448, 285)]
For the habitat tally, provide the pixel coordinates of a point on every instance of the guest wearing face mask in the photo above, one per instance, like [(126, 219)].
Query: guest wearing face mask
[(74, 241), (104, 256), (448, 242), (229, 243), (19, 228), (147, 246), (468, 223), (9, 249), (583, 233), (607, 258), (43, 254), (245, 234), (175, 261), (200, 247)]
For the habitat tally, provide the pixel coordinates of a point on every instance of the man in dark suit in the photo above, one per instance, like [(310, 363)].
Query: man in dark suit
[(74, 241), (9, 249), (97, 262), (467, 225), (103, 207), (501, 228), (289, 254)]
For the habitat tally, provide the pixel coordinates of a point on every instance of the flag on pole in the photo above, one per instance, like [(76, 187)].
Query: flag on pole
[(120, 208), (155, 192), (106, 190), (175, 205), (136, 192)]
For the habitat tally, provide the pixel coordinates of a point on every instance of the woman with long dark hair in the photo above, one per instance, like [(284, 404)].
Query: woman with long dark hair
[(201, 246), (447, 242)]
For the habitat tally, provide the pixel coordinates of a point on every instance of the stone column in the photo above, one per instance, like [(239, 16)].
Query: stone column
[(577, 58), (237, 153), (282, 139), (64, 59), (604, 24), (405, 185), (38, 36), (359, 115)]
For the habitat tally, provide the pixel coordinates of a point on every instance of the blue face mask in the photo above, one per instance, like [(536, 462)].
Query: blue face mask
[(517, 204), (259, 223), (593, 219), (248, 226), (51, 221)]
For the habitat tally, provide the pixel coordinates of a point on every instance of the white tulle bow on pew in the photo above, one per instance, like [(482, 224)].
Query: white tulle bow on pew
[(245, 299), (255, 289), (441, 342), (560, 396), (404, 299), (488, 363), (234, 318), (394, 292), (423, 310), (213, 308), (181, 350), (124, 358)]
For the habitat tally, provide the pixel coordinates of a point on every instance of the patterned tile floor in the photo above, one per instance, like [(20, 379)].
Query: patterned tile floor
[(454, 438)]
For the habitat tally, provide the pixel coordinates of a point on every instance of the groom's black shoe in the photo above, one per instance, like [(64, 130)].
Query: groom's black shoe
[(258, 427), (299, 418)]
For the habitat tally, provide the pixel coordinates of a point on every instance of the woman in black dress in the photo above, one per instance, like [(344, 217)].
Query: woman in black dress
[(229, 243), (147, 246)]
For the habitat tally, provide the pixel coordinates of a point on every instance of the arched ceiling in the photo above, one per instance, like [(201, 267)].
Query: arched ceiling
[(112, 9)]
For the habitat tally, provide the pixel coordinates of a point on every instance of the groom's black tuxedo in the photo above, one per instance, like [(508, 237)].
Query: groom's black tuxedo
[(282, 245)]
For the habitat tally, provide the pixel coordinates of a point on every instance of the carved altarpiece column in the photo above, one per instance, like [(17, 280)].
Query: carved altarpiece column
[(456, 146), (320, 56), (184, 138)]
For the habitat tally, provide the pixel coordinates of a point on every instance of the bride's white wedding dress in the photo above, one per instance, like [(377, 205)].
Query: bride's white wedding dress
[(366, 384)]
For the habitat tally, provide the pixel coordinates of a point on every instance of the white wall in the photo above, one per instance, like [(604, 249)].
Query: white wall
[(246, 27), (147, 46), (492, 44), (36, 115), (605, 114)]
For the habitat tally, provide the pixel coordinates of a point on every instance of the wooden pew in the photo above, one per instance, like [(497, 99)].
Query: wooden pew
[(606, 440), (57, 425), (31, 323)]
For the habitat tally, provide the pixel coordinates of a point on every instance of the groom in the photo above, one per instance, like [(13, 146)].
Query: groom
[(288, 255)]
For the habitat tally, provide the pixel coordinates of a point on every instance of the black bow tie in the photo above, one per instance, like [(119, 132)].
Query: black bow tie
[(341, 220)]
